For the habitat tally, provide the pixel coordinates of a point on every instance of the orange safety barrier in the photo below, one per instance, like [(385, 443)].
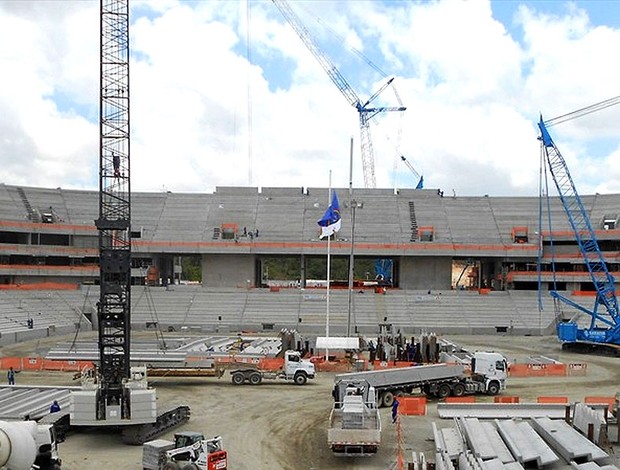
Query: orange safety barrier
[(556, 369), (43, 285), (391, 364), (333, 366), (38, 364), (537, 370), (609, 401), (577, 368), (518, 370), (506, 400), (552, 400), (412, 406), (469, 399)]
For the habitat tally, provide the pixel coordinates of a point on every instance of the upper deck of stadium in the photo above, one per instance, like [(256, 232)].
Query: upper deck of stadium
[(399, 218)]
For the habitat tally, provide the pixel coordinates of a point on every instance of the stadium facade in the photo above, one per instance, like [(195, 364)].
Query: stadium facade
[(429, 240)]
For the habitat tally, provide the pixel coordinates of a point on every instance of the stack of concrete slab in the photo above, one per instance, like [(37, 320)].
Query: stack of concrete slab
[(568, 442), (525, 444)]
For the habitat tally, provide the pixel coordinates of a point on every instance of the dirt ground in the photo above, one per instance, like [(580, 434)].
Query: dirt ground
[(278, 425)]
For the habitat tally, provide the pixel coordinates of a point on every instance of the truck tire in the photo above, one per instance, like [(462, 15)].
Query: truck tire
[(256, 378), (443, 391), (458, 390), (172, 465), (238, 378), (387, 399), (493, 388), (300, 379)]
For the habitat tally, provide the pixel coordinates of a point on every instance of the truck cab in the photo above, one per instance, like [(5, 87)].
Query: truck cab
[(492, 368), (298, 369)]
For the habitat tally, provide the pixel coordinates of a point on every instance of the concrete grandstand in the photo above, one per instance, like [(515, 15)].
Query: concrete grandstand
[(458, 264)]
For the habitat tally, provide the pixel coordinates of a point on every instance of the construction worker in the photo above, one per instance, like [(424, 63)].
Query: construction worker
[(395, 409), (11, 376), (55, 408)]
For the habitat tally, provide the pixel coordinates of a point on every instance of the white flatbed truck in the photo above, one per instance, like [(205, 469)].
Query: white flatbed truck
[(354, 422)]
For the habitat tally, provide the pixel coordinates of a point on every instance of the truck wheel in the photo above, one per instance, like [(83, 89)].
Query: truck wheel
[(443, 391), (458, 390), (172, 466), (238, 378), (388, 399), (493, 388), (256, 378), (301, 379)]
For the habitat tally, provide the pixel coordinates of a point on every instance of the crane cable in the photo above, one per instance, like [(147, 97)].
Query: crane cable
[(583, 111)]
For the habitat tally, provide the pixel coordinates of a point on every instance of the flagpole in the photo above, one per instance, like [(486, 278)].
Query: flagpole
[(329, 201), (350, 285)]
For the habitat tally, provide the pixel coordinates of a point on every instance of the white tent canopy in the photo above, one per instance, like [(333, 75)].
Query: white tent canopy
[(337, 342)]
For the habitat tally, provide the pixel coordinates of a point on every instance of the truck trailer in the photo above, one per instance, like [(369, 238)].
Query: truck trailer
[(488, 375), (291, 367), (354, 422)]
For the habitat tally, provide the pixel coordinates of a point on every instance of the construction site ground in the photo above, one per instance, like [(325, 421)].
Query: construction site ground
[(278, 425)]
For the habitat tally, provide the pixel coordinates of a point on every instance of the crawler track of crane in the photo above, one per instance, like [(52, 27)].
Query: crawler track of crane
[(139, 434)]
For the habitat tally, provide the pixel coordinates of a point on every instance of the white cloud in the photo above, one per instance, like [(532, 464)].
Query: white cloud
[(472, 85)]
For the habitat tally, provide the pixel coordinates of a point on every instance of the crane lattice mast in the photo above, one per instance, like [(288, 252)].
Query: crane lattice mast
[(114, 222), (605, 323), (366, 113)]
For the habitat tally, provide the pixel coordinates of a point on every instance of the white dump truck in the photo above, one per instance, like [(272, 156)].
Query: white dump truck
[(354, 422), (487, 375), (26, 444)]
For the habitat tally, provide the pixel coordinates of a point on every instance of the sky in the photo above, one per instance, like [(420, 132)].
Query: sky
[(224, 93)]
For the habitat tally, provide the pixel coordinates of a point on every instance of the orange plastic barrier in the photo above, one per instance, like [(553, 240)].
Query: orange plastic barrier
[(518, 370), (43, 285), (537, 370), (506, 400), (469, 399), (552, 400), (38, 363), (609, 401), (412, 406), (333, 366), (556, 369), (577, 368)]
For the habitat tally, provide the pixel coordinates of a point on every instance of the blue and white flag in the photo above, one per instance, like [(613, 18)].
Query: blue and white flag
[(330, 222)]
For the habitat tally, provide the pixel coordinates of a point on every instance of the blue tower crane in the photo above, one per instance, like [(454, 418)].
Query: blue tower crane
[(365, 111), (604, 328)]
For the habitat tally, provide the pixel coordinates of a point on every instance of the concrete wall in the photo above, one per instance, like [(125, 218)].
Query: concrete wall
[(228, 270), (421, 273)]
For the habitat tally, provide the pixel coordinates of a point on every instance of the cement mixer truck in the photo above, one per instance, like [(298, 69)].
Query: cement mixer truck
[(25, 445)]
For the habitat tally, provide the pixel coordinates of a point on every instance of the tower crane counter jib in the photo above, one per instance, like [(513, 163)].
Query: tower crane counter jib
[(604, 327)]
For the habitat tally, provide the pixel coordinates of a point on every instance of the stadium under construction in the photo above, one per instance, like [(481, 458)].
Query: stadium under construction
[(422, 261)]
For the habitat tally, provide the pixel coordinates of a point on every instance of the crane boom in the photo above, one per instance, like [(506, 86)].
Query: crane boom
[(365, 113), (604, 325), (420, 184)]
